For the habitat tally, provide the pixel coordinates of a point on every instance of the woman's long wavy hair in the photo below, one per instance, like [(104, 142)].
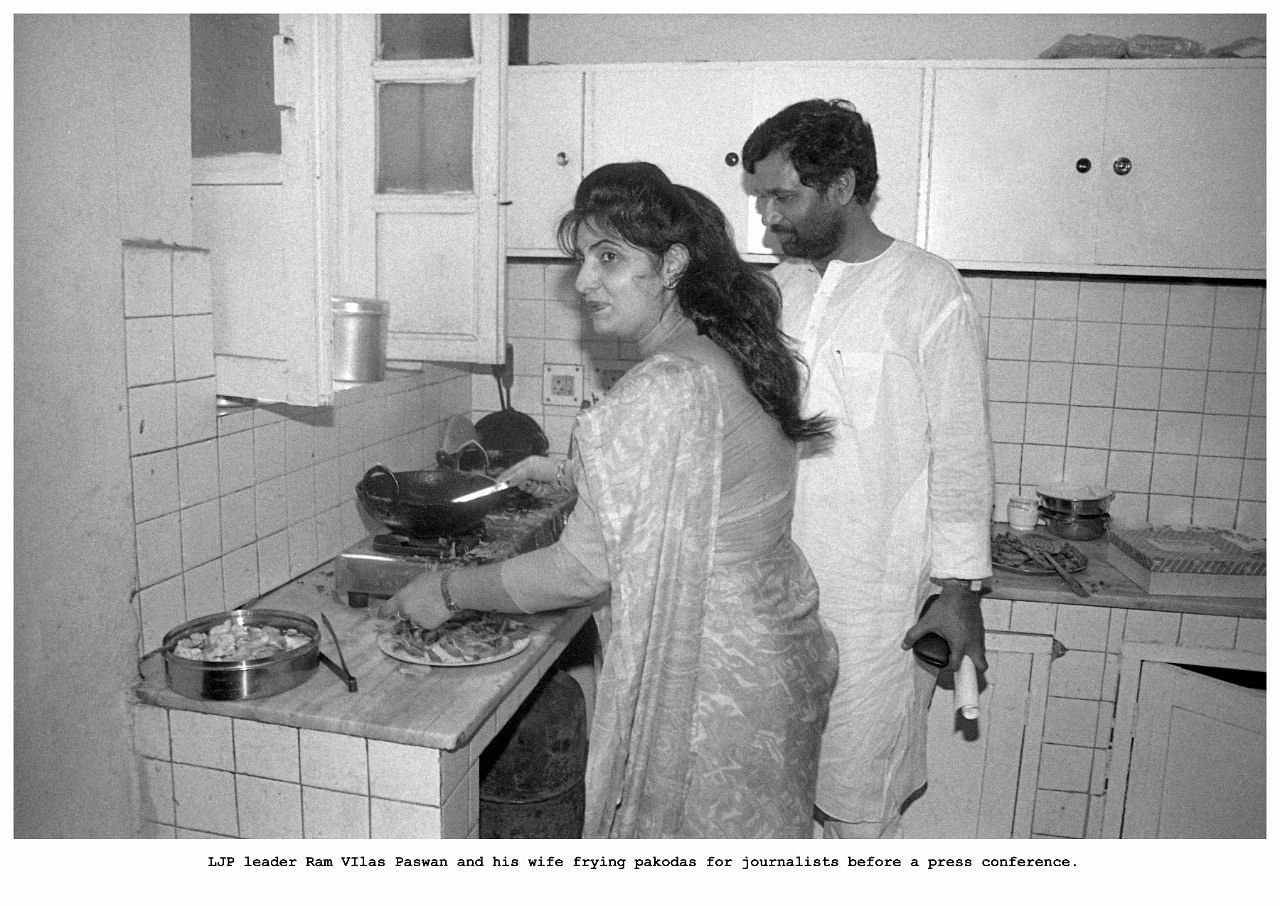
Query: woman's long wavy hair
[(729, 300)]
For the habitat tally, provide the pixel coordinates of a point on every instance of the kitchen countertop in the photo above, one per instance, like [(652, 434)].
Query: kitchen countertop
[(435, 707), (445, 707), (1108, 587)]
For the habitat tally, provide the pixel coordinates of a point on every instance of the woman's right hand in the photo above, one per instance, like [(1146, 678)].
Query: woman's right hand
[(421, 602), (531, 468)]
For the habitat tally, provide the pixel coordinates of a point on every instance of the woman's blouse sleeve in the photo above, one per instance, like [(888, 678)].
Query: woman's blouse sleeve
[(571, 572)]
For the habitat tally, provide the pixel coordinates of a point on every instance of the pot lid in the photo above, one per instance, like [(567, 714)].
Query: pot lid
[(1068, 490)]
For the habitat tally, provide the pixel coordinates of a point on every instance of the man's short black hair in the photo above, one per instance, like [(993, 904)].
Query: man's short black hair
[(822, 139)]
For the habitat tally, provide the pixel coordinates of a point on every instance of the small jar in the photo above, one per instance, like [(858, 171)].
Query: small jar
[(1023, 513)]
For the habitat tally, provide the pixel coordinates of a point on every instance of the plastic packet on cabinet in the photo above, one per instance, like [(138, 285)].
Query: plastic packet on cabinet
[(1153, 47), (1070, 47), (1244, 48)]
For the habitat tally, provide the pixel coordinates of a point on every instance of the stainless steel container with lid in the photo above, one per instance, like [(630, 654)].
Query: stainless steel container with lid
[(359, 339), (235, 680)]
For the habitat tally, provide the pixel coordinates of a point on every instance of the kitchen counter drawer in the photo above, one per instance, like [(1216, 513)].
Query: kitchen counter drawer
[(1108, 587)]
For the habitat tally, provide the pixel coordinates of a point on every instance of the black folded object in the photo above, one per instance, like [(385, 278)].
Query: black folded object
[(932, 648)]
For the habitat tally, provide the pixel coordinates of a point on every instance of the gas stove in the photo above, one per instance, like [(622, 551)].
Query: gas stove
[(380, 565)]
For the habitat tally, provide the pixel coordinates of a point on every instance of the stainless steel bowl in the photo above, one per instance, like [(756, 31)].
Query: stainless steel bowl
[(1075, 499), (1073, 527), (236, 680)]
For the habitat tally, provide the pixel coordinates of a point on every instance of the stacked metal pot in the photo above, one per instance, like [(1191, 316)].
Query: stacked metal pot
[(1077, 512)]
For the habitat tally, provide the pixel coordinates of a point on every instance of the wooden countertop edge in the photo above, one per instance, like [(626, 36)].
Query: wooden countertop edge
[(1013, 590), (1108, 587)]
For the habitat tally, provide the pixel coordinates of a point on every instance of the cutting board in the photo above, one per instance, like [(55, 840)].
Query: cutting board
[(1191, 560)]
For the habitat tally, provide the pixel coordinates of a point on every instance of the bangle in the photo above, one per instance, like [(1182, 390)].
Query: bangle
[(560, 473), (449, 605)]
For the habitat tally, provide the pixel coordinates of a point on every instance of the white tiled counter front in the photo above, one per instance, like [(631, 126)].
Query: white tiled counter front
[(208, 775), (1083, 683), (398, 758)]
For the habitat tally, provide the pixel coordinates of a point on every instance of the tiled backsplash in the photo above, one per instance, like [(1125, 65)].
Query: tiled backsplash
[(1154, 388), (229, 506)]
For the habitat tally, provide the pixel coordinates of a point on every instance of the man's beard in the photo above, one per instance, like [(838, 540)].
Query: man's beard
[(817, 238)]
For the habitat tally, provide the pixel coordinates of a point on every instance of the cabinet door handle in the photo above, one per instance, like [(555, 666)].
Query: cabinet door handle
[(1084, 165), (283, 61), (562, 159), (1122, 166), (731, 159)]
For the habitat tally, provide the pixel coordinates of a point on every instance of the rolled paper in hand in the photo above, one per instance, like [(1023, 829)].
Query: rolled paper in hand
[(966, 694)]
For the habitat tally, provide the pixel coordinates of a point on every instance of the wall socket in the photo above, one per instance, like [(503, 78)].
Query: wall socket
[(562, 385)]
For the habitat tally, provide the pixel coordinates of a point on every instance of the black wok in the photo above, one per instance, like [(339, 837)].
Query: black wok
[(507, 435), (419, 503)]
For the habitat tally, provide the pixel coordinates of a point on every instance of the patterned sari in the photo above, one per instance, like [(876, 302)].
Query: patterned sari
[(716, 672)]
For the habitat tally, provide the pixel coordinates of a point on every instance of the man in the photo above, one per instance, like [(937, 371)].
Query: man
[(898, 505)]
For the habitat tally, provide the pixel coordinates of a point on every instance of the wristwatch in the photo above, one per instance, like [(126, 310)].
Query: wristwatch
[(971, 584), (449, 605)]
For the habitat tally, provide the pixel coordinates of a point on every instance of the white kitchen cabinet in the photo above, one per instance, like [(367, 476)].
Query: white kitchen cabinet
[(385, 184), (890, 99), (419, 175), (1189, 752), (544, 154), (265, 217), (690, 120), (1117, 168), (983, 773)]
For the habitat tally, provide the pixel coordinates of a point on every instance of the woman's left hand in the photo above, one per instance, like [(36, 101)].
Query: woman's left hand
[(421, 602)]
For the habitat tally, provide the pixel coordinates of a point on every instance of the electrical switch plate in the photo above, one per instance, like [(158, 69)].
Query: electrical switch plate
[(562, 385)]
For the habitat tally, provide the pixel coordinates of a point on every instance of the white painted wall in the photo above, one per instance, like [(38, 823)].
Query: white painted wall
[(579, 38), (100, 140)]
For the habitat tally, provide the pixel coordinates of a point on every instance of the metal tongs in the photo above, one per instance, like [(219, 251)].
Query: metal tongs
[(1050, 560), (342, 672)]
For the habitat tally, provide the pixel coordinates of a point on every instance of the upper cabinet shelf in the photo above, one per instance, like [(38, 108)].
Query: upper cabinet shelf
[(1098, 166), (1158, 170)]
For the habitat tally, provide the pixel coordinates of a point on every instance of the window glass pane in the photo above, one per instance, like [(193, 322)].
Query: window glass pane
[(424, 137), (232, 85), (425, 36)]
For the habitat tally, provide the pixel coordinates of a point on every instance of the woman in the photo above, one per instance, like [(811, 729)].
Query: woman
[(716, 671)]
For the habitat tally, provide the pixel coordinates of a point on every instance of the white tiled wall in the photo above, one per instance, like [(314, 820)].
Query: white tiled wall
[(228, 507), (1083, 686), (1154, 388)]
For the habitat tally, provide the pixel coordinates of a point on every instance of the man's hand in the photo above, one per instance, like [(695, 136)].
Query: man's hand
[(957, 617)]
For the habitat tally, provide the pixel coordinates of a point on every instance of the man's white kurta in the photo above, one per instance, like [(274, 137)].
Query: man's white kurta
[(896, 355)]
